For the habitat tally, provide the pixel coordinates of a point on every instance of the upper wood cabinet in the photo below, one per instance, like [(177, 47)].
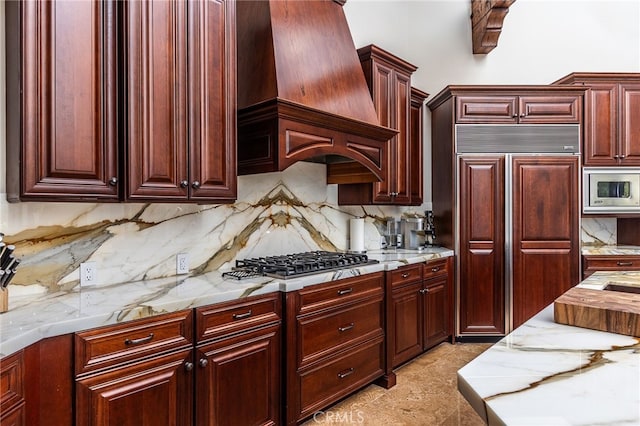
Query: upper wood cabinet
[(62, 101), (389, 80), (180, 79), (612, 118), (114, 101), (488, 108)]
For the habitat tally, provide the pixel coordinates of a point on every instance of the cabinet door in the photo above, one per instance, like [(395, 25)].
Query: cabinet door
[(486, 109), (156, 90), (549, 109), (481, 293), (436, 312), (415, 146), (398, 190), (546, 245), (158, 391), (62, 60), (630, 124), (405, 313), (238, 380), (601, 125), (212, 100)]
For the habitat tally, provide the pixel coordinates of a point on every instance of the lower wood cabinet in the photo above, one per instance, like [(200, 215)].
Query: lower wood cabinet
[(335, 342), (154, 371), (238, 362), (592, 263), (419, 302), (12, 393)]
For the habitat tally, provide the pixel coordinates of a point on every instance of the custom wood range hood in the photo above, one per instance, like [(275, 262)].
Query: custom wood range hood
[(302, 93)]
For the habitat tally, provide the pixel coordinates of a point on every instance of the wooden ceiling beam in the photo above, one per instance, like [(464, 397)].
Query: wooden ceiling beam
[(487, 17)]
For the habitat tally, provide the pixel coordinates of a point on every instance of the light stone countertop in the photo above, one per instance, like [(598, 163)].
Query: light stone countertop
[(613, 250), (32, 317), (544, 373)]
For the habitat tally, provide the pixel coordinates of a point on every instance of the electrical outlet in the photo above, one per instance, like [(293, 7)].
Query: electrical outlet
[(182, 263), (88, 273)]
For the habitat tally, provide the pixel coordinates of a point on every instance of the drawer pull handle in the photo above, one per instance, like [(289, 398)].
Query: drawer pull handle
[(345, 328), (242, 316), (344, 291), (139, 341), (624, 263), (435, 269), (405, 275), (345, 373)]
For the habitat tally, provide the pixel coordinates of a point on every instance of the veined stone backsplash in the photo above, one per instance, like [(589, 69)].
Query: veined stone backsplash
[(275, 213), (599, 231)]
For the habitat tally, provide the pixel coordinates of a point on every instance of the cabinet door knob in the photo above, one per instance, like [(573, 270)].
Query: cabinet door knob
[(203, 362), (393, 194), (522, 115), (195, 184), (514, 116), (113, 181), (188, 366), (424, 291), (184, 184)]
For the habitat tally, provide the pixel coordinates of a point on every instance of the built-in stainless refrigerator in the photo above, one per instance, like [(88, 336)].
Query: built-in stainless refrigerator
[(517, 222)]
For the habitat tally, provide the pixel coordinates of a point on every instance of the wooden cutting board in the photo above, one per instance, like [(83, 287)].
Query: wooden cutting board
[(615, 309)]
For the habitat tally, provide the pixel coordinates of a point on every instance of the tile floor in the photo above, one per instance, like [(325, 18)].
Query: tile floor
[(425, 394)]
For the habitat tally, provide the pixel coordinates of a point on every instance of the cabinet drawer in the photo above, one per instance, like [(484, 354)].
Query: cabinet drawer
[(108, 346), (435, 268), (406, 274), (486, 109), (233, 317), (328, 332), (11, 381), (341, 291), (322, 385), (610, 263)]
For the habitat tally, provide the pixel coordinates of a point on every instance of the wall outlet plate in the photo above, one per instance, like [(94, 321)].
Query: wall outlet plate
[(88, 274), (182, 263)]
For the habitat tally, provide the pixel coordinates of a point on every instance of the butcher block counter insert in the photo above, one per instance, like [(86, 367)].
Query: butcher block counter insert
[(546, 373)]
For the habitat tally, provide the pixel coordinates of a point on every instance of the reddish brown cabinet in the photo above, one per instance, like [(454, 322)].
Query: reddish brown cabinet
[(238, 373), (419, 306), (481, 282), (507, 197), (136, 373), (180, 79), (512, 109), (12, 390), (62, 136), (335, 342), (592, 263), (168, 135), (389, 80), (612, 122)]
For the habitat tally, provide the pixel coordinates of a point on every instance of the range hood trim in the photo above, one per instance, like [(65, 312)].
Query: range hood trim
[(269, 127)]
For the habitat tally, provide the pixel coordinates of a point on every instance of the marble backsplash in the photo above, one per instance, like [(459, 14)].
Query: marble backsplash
[(275, 213)]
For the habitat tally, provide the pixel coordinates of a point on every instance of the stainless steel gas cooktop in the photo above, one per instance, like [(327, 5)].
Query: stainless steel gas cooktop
[(297, 265)]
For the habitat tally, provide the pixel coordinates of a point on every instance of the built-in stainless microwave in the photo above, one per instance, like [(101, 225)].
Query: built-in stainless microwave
[(611, 190)]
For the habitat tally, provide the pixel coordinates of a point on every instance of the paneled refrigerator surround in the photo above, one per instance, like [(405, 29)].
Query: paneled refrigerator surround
[(517, 225)]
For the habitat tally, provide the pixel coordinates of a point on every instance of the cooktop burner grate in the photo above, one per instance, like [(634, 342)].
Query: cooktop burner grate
[(300, 264)]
